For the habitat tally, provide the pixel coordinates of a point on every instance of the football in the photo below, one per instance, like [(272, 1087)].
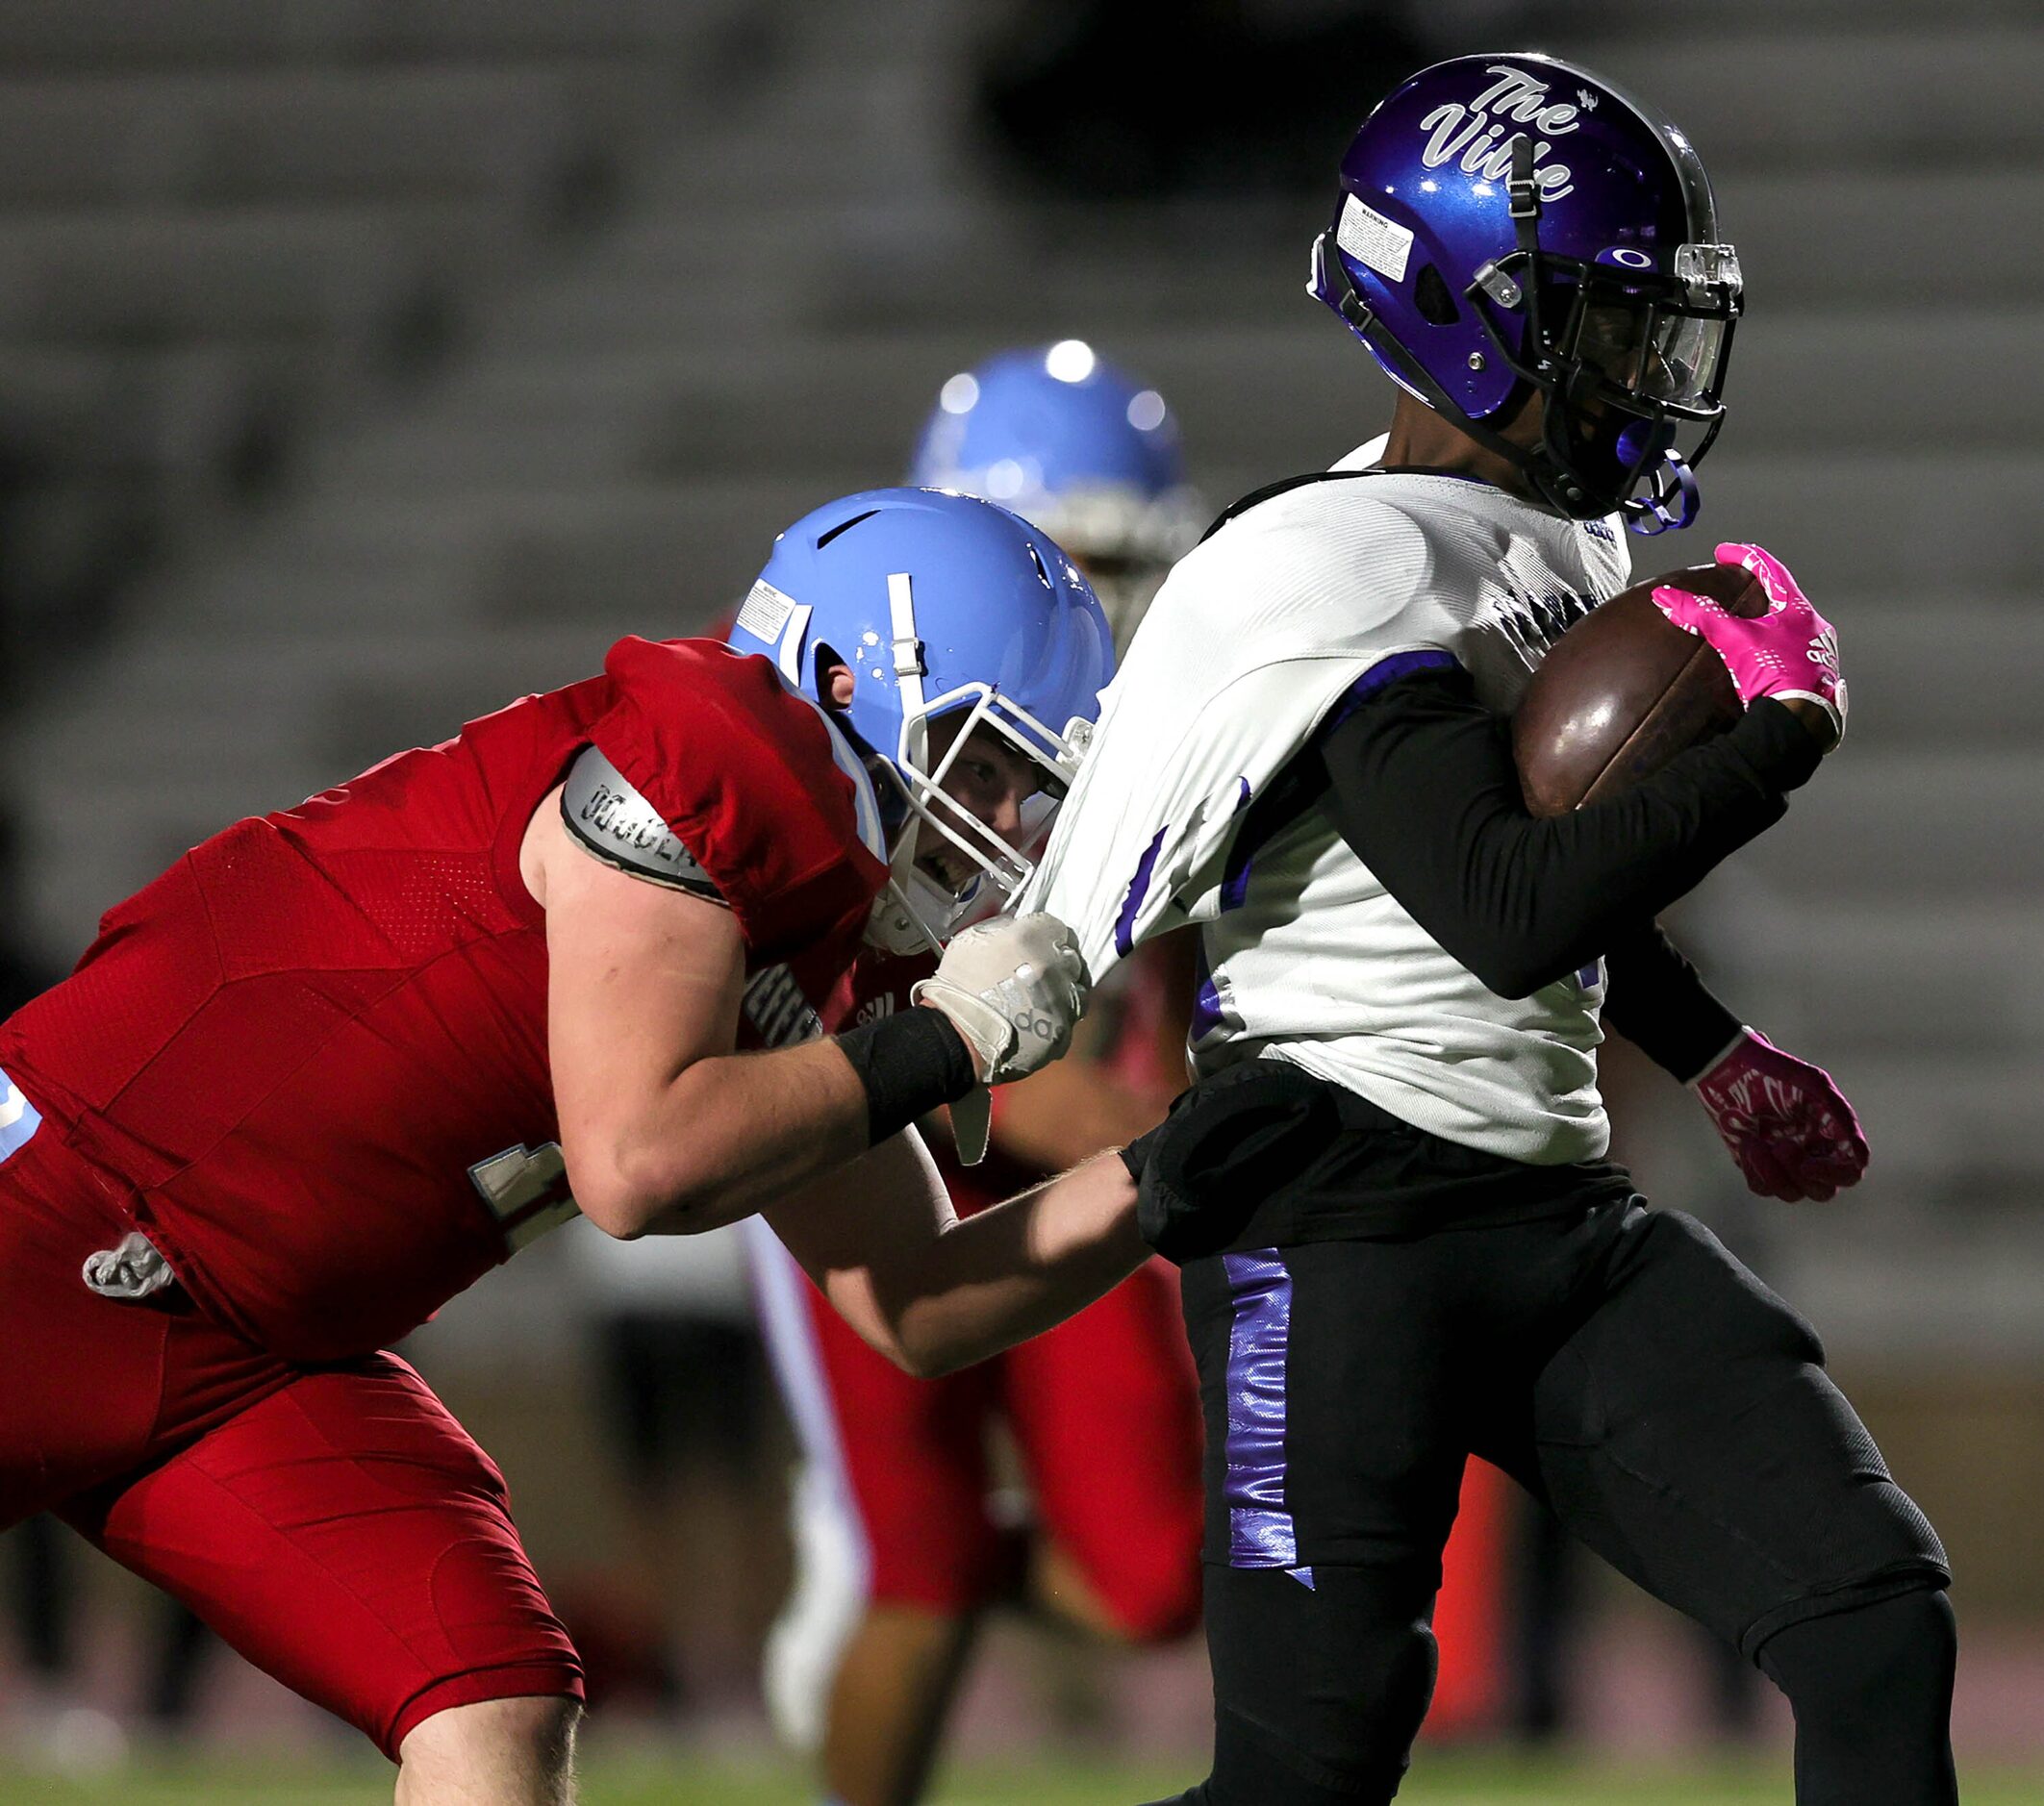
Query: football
[(1624, 690)]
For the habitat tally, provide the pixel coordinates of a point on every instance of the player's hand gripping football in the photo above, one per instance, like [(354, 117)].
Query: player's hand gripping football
[(1014, 987), (1790, 652), (1786, 1122)]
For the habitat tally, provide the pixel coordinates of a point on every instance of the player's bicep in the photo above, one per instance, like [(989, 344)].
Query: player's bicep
[(858, 1231), (612, 822), (644, 978), (1421, 785)]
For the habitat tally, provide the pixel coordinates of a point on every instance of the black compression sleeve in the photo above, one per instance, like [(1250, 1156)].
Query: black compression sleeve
[(1656, 1001), (910, 1062), (1423, 787)]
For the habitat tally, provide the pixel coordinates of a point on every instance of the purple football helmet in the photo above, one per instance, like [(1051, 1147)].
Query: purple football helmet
[(1512, 224)]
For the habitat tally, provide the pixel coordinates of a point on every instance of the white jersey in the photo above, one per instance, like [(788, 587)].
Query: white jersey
[(1299, 603)]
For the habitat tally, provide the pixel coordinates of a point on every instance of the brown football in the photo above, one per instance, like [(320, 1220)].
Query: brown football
[(1623, 691)]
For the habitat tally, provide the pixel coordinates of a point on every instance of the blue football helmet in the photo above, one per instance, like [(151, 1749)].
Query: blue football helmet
[(1080, 450), (942, 605), (1512, 224)]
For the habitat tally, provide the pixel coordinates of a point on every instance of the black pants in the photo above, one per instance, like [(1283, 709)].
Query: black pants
[(1616, 1361)]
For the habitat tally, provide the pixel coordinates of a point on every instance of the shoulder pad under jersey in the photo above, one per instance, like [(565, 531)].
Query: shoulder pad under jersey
[(609, 818)]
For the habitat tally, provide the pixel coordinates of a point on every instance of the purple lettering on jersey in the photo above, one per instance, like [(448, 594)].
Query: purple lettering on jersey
[(1261, 1533), (1124, 924)]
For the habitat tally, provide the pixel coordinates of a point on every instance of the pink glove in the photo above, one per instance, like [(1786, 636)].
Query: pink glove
[(1787, 1125), (1790, 651)]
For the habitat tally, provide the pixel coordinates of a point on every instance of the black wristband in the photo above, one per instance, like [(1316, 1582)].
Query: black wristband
[(909, 1063)]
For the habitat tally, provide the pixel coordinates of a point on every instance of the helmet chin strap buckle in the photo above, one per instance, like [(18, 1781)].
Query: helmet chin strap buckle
[(1522, 191), (1499, 286), (909, 666)]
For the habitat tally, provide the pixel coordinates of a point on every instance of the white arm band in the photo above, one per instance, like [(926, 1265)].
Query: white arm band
[(607, 818)]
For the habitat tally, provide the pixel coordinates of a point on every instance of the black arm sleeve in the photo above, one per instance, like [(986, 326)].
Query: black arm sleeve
[(1656, 1001), (1423, 787)]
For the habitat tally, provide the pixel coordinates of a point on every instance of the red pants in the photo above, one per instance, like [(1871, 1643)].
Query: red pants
[(334, 1525)]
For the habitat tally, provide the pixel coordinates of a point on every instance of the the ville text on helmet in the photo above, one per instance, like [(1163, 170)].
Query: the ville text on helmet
[(1479, 137)]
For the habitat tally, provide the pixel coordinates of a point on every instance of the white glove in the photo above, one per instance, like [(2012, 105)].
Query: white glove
[(1014, 988)]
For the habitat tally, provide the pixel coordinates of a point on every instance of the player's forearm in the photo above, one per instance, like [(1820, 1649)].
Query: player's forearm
[(724, 1136), (1423, 788), (1658, 1002), (1011, 1272), (1632, 857), (1068, 1111), (731, 1131)]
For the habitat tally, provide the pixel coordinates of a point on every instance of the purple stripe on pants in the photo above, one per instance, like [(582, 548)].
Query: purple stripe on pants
[(1260, 1529)]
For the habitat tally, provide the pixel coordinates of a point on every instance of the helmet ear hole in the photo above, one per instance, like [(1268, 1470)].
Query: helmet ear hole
[(829, 674), (1431, 298)]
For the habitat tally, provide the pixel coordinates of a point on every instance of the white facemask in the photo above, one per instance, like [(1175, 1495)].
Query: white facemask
[(916, 914)]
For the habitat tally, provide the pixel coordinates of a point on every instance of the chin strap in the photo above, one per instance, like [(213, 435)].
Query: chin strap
[(1327, 277), (1672, 482), (910, 669), (1521, 194)]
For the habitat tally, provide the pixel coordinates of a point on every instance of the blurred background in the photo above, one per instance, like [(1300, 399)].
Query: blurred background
[(365, 364)]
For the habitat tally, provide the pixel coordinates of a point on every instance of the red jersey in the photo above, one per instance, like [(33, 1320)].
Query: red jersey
[(311, 1058)]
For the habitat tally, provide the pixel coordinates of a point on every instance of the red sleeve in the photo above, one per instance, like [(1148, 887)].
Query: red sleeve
[(742, 769)]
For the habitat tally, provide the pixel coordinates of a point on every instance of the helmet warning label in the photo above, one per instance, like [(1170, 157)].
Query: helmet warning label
[(766, 612), (1378, 243)]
